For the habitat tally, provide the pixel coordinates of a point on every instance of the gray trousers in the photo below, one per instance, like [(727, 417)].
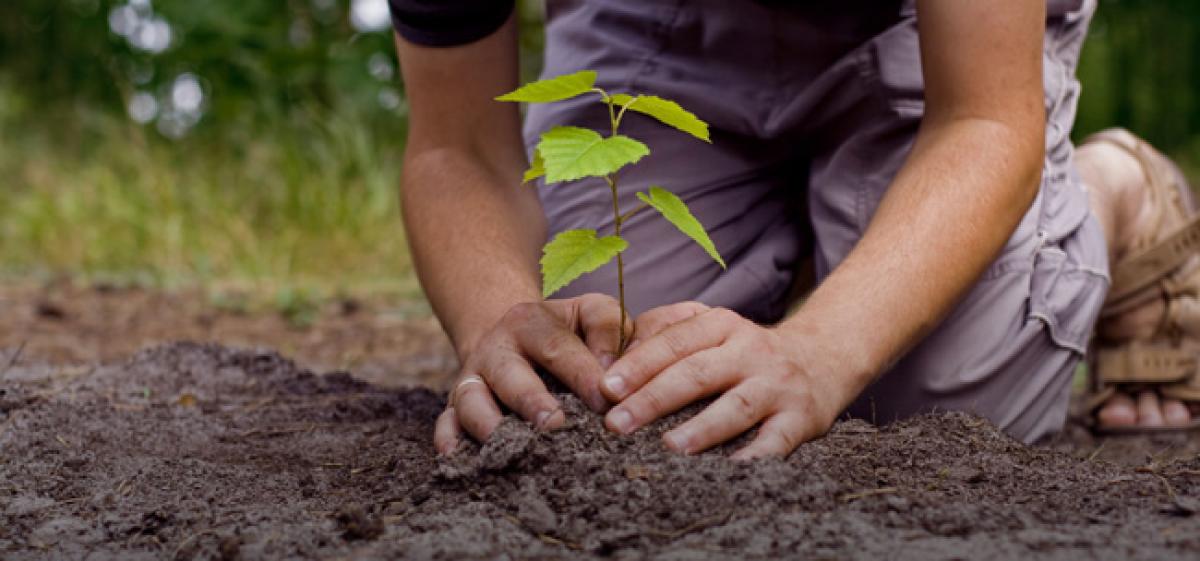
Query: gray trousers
[(814, 107)]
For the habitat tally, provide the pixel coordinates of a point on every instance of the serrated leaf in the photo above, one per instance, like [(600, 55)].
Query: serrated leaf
[(553, 89), (537, 168), (676, 212), (570, 153), (575, 252), (667, 111)]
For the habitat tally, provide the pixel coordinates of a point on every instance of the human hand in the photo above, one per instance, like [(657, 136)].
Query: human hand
[(574, 339), (684, 352)]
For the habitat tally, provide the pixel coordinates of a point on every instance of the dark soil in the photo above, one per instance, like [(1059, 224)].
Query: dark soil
[(385, 341), (201, 452)]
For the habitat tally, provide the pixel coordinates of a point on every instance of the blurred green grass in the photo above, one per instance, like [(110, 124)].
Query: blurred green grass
[(311, 205), (286, 185)]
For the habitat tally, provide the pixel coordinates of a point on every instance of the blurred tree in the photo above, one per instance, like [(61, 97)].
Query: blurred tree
[(1140, 69), (240, 63), (258, 63)]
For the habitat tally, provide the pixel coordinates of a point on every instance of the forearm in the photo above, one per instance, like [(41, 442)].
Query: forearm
[(473, 228), (475, 234), (947, 215)]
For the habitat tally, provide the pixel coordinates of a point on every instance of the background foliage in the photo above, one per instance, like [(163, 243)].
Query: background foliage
[(258, 143), (1141, 70)]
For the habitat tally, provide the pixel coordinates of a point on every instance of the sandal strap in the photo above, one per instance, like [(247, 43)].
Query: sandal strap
[(1136, 273), (1137, 363), (1187, 390)]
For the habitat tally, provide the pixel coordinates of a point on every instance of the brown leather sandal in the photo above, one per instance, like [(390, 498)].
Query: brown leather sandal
[(1164, 262)]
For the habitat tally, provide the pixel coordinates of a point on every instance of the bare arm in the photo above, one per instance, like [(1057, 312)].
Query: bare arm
[(969, 179), (475, 231), (971, 176)]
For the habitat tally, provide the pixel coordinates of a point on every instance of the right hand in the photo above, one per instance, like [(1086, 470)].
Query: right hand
[(574, 339)]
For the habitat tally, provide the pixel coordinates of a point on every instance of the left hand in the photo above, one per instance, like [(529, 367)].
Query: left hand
[(684, 352)]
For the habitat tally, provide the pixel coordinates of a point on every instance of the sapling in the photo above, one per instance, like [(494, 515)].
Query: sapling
[(568, 153)]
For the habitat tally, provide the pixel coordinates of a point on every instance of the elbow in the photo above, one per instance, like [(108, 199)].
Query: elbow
[(1013, 140), (1021, 130), (1031, 157), (420, 165), (418, 174), (1019, 151), (439, 171)]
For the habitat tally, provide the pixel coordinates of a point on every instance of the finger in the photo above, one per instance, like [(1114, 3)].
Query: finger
[(515, 383), (561, 351), (697, 376), (446, 433), (669, 346), (599, 317), (652, 322), (732, 414), (779, 436), (475, 410)]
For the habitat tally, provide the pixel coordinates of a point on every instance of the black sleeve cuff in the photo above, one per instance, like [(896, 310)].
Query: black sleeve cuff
[(447, 23)]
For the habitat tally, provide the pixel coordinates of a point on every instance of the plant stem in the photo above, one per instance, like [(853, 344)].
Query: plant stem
[(612, 113), (617, 220)]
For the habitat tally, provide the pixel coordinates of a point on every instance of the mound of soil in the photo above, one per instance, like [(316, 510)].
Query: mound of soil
[(383, 340), (201, 452)]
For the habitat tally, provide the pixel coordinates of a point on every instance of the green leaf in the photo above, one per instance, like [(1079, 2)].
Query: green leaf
[(569, 153), (537, 168), (553, 89), (668, 112), (573, 253), (676, 212)]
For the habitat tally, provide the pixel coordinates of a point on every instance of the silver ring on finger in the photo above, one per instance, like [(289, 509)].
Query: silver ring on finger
[(472, 379)]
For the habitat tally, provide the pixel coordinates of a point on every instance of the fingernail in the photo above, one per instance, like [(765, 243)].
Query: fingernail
[(615, 385), (607, 360), (620, 420), (677, 441), (542, 419)]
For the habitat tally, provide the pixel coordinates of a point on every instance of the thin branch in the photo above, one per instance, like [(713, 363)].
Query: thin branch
[(641, 206), (622, 112)]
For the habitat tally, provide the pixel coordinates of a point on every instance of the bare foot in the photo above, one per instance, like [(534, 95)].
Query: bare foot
[(1117, 186), (1147, 411)]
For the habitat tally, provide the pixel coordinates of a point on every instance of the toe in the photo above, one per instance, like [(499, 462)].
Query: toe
[(1118, 411), (1149, 410), (1175, 413)]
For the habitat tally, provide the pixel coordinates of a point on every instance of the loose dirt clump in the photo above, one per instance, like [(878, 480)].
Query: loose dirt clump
[(202, 452)]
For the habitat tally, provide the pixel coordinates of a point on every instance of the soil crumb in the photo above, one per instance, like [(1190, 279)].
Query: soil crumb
[(192, 451)]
